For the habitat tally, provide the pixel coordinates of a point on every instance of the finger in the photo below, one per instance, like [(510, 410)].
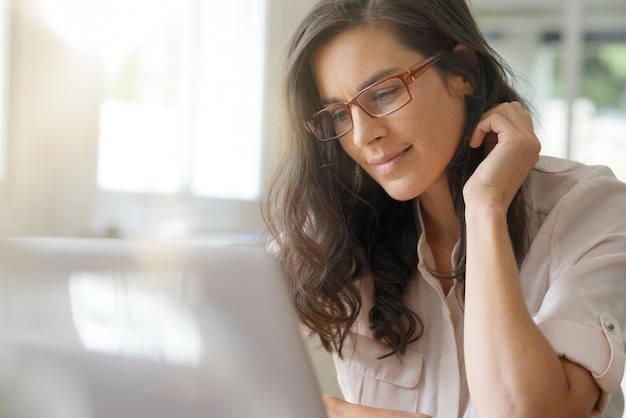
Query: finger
[(489, 129), (512, 116), (517, 115), (507, 107)]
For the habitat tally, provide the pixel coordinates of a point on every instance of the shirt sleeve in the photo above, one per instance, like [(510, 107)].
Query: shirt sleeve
[(583, 314)]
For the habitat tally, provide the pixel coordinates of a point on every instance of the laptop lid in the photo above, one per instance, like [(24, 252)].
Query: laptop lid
[(113, 328)]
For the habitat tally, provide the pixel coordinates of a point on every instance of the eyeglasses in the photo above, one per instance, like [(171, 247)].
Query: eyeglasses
[(379, 99)]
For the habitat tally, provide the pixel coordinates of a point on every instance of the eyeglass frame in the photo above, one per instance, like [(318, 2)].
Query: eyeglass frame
[(407, 77)]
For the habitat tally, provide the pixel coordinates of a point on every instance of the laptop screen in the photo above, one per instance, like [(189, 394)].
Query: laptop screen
[(116, 328)]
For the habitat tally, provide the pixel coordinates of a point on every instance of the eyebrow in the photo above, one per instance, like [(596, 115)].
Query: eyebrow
[(373, 79)]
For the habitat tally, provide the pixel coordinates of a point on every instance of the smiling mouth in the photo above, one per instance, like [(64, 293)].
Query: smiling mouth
[(386, 164)]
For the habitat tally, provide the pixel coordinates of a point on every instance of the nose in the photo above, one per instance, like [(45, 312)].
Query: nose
[(365, 128)]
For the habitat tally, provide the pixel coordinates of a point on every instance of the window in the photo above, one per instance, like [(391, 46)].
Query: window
[(578, 92), (184, 90), (598, 133), (142, 118)]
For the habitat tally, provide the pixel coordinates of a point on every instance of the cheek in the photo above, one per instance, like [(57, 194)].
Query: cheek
[(439, 111), (445, 123)]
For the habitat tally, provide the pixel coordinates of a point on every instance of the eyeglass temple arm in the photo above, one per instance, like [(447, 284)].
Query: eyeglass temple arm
[(420, 68)]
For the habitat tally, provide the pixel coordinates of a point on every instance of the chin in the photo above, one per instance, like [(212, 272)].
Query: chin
[(402, 194)]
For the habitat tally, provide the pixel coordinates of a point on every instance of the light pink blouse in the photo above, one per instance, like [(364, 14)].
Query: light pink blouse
[(574, 282)]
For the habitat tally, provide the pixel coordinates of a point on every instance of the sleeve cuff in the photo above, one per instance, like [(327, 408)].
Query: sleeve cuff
[(598, 349)]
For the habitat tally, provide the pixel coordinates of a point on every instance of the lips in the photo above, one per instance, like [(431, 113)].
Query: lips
[(385, 164)]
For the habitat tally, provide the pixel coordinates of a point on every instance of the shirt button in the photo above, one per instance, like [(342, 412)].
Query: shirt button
[(609, 326)]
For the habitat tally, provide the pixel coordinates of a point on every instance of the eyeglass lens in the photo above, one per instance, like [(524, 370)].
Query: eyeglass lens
[(377, 100)]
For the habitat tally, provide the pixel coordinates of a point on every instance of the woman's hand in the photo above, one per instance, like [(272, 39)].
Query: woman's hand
[(511, 148), (336, 408)]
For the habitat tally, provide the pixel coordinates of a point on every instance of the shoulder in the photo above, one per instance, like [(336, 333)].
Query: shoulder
[(555, 182), (553, 178), (574, 207), (573, 195)]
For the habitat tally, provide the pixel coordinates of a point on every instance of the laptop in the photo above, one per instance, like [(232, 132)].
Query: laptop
[(93, 328)]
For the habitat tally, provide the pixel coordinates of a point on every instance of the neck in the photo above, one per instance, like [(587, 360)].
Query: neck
[(438, 214), (441, 226)]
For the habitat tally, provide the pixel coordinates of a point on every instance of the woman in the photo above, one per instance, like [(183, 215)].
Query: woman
[(451, 270)]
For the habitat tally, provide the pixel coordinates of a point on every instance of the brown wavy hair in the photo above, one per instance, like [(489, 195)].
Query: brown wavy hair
[(331, 222)]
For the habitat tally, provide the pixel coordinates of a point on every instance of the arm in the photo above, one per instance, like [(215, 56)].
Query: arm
[(512, 369), (336, 408)]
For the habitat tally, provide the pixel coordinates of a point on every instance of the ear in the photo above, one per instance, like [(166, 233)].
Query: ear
[(459, 86)]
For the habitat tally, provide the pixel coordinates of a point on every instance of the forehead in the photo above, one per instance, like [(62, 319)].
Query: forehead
[(343, 65)]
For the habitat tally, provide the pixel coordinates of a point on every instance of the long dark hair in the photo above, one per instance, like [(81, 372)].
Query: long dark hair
[(331, 223)]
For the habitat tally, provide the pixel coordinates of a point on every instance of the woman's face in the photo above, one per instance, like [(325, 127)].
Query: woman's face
[(407, 151)]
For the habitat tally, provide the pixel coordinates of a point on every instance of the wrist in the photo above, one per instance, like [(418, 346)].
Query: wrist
[(486, 210)]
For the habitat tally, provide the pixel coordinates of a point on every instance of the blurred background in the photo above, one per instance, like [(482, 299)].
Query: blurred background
[(162, 118)]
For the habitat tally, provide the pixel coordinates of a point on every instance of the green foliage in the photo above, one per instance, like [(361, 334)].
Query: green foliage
[(603, 75)]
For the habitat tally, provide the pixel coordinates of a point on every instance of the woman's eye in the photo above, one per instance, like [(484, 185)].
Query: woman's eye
[(386, 95), (341, 115)]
